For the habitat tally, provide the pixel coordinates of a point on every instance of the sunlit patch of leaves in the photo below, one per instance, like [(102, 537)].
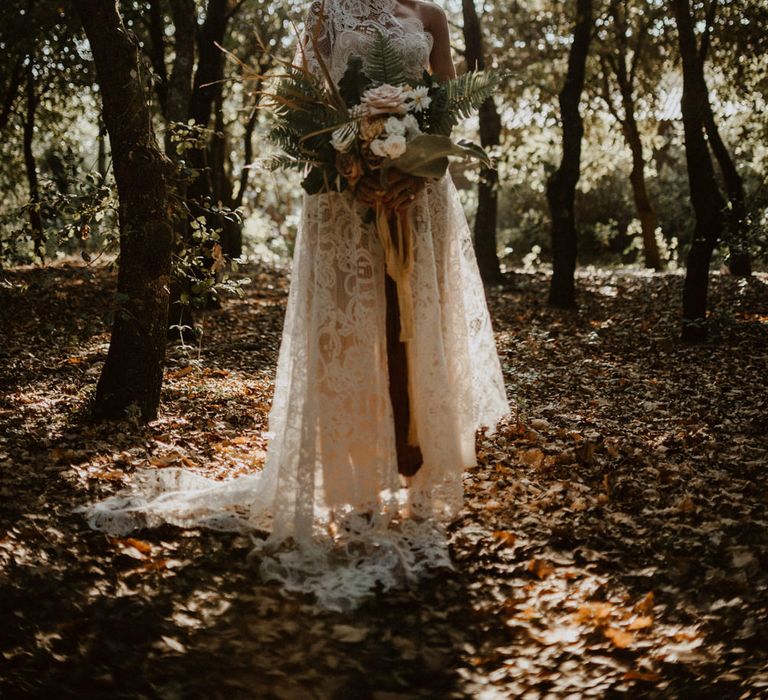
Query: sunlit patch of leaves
[(614, 538)]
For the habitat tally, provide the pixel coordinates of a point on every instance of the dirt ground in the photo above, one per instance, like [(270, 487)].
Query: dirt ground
[(614, 541)]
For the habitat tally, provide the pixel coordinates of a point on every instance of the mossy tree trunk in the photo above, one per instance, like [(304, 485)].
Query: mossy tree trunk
[(132, 375)]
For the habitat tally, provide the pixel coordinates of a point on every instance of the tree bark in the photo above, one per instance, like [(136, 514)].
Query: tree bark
[(178, 108), (490, 135), (739, 260), (35, 220), (645, 211), (706, 199), (133, 372), (561, 186), (625, 78), (179, 96), (157, 52)]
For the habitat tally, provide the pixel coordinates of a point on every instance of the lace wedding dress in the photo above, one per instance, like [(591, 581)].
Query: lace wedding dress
[(341, 520)]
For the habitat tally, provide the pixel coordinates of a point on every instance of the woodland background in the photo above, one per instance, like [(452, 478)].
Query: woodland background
[(615, 537)]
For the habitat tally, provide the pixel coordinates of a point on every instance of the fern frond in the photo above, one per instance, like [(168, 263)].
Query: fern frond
[(283, 162), (383, 63), (459, 98)]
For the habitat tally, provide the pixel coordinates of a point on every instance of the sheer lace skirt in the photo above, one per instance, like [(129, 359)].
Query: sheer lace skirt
[(330, 478)]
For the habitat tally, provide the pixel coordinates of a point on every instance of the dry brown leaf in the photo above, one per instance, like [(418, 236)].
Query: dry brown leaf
[(506, 537), (641, 623), (619, 638), (140, 545), (533, 457), (540, 568), (594, 613), (647, 676), (645, 604), (183, 372)]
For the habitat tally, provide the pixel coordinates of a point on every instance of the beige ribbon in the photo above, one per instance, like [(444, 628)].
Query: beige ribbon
[(397, 243)]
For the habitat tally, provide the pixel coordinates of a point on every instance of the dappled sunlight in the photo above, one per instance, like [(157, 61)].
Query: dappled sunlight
[(631, 466)]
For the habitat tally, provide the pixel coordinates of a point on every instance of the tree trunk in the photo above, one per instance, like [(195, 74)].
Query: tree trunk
[(132, 375), (101, 156), (739, 261), (707, 201), (490, 135), (645, 211), (35, 220), (561, 186), (178, 108), (179, 96), (157, 52)]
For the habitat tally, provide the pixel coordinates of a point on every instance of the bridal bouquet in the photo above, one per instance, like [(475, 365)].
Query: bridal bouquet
[(375, 120), (378, 134)]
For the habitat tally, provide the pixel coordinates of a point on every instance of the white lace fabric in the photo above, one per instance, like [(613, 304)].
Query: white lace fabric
[(341, 520)]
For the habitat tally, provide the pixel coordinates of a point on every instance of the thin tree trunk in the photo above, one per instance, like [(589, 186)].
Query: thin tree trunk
[(739, 261), (133, 372), (101, 157), (157, 52), (707, 201), (490, 135), (180, 84), (645, 211), (561, 186), (178, 108), (35, 220)]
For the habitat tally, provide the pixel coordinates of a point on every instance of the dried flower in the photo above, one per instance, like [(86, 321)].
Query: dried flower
[(349, 167), (371, 127), (343, 138)]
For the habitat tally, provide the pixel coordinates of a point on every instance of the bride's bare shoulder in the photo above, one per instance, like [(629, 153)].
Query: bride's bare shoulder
[(432, 16)]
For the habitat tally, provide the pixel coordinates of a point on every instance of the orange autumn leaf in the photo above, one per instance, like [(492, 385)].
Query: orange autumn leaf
[(180, 372), (641, 623), (506, 537), (648, 676), (139, 545), (645, 604), (540, 568), (594, 613), (620, 638)]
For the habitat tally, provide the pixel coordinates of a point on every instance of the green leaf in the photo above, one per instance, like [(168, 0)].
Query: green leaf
[(384, 63), (427, 156), (459, 98)]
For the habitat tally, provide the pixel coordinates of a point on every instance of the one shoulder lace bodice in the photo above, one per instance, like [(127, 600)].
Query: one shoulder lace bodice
[(347, 27)]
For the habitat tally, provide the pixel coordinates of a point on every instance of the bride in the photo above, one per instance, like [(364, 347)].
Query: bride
[(368, 442)]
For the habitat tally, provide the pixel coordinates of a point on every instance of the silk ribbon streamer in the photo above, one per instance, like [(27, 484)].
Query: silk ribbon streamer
[(397, 243)]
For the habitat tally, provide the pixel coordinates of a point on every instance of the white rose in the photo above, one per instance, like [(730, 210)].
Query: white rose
[(377, 147), (394, 145), (343, 138), (394, 126), (411, 126)]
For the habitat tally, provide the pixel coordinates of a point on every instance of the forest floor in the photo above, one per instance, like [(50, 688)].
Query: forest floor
[(614, 540)]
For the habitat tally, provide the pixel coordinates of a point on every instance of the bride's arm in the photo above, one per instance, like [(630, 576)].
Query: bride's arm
[(436, 23)]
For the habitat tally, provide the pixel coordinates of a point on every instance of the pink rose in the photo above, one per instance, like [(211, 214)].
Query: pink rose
[(384, 99)]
